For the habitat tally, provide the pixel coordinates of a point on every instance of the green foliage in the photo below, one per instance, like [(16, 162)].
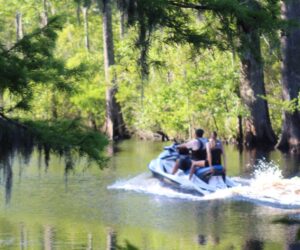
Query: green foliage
[(37, 77), (65, 136), (29, 62), (184, 91), (176, 67)]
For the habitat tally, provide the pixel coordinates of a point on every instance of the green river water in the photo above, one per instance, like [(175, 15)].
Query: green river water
[(47, 208)]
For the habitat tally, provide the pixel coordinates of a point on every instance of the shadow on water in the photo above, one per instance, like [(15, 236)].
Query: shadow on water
[(292, 226), (112, 243)]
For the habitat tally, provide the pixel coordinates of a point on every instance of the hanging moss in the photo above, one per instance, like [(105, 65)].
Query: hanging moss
[(68, 138)]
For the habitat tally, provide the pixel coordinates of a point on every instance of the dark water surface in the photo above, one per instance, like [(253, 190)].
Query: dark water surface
[(47, 208)]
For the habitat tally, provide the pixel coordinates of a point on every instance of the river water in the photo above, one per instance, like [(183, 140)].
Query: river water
[(124, 206)]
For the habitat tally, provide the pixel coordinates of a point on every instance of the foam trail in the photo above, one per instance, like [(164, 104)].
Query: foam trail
[(145, 183), (267, 187)]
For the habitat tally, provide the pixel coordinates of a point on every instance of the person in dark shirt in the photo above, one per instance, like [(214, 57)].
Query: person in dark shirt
[(214, 149), (198, 150), (197, 146)]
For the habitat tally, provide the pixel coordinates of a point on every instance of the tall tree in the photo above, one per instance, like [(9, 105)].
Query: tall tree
[(252, 86), (44, 14), (44, 22), (19, 26), (290, 138), (114, 125), (85, 9), (78, 6), (123, 5), (146, 16), (145, 26)]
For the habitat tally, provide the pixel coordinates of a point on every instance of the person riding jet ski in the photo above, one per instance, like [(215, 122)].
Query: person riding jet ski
[(198, 152), (197, 146), (214, 152), (205, 179)]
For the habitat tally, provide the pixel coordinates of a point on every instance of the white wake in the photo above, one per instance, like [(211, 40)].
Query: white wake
[(267, 187)]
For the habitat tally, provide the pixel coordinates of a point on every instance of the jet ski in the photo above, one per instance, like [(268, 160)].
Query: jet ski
[(203, 181)]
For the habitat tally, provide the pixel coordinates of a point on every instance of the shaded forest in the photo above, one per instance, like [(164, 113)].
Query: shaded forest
[(72, 71)]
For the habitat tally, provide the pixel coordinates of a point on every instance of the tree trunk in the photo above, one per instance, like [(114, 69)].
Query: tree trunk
[(123, 16), (54, 112), (252, 87), (91, 118), (144, 69), (290, 137), (19, 26), (92, 121), (53, 99), (78, 12), (44, 14), (85, 10), (144, 44), (240, 137), (114, 125)]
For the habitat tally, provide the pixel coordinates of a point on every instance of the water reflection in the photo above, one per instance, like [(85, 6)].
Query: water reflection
[(202, 239), (8, 175), (112, 243), (292, 238), (90, 241), (23, 238), (253, 245), (111, 240), (49, 241), (48, 238), (69, 167), (292, 232), (6, 178), (249, 158), (290, 164), (68, 208), (112, 148)]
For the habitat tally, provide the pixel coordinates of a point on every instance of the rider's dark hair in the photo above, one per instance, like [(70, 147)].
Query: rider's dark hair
[(199, 132), (214, 134)]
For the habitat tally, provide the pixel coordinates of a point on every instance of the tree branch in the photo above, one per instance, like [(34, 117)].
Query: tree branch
[(29, 36), (191, 6)]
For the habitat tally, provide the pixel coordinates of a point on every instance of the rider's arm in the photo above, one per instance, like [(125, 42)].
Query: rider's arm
[(183, 145), (176, 166), (224, 157), (189, 145), (208, 152)]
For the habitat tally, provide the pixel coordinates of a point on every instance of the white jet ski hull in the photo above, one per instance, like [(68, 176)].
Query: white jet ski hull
[(163, 166)]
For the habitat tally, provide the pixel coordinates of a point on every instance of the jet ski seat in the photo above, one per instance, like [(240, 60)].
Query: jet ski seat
[(204, 173)]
